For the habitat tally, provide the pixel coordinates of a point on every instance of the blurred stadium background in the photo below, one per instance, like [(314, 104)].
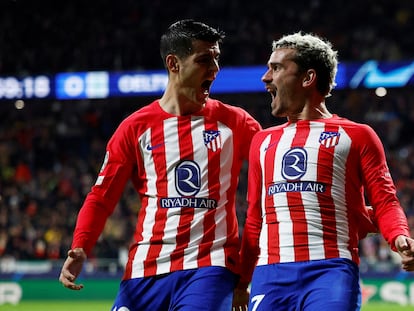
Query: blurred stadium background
[(61, 64)]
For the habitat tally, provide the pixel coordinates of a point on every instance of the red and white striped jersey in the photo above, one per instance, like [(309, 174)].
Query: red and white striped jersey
[(307, 186), (185, 170)]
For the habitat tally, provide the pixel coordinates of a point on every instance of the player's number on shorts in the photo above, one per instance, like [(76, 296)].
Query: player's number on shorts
[(256, 300)]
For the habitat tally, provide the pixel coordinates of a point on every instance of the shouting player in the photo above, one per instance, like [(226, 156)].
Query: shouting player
[(183, 154), (308, 179)]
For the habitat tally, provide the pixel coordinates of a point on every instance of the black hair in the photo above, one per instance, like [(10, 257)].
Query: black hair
[(179, 37)]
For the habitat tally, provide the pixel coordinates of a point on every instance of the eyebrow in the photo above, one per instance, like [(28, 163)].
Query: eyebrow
[(273, 64), (287, 59)]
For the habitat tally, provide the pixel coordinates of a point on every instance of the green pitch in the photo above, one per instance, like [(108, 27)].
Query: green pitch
[(106, 305), (46, 305), (382, 306)]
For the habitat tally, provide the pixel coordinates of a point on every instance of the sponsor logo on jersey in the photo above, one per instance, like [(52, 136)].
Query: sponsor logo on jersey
[(152, 147), (188, 202), (294, 166), (294, 163), (299, 186), (271, 145), (188, 184), (329, 139), (187, 178)]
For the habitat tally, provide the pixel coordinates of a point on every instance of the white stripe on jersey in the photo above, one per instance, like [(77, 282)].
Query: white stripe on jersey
[(142, 251), (338, 183), (172, 155), (287, 253), (226, 160), (263, 256)]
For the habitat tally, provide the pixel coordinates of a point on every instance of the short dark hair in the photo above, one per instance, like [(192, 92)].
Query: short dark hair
[(179, 37)]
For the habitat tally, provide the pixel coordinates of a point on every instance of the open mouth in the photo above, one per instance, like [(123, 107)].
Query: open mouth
[(272, 91), (206, 86)]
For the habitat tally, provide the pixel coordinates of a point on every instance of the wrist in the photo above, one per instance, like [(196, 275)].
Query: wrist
[(241, 285)]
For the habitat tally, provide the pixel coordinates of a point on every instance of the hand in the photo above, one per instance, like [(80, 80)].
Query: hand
[(405, 247), (240, 300), (72, 267)]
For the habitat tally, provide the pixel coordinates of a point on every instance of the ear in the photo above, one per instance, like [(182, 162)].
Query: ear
[(172, 63), (309, 77)]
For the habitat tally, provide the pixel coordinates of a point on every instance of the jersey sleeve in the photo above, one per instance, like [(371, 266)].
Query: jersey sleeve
[(250, 238), (380, 189), (105, 194), (252, 128), (249, 127)]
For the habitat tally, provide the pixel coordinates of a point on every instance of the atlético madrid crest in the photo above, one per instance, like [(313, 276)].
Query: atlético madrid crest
[(212, 139), (329, 139)]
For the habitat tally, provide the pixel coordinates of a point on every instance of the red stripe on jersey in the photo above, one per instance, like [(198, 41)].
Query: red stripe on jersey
[(295, 203), (187, 214), (150, 264), (326, 203)]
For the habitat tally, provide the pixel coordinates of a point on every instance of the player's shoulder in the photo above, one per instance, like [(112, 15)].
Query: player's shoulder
[(360, 133), (218, 105), (229, 114), (274, 128), (350, 124), (263, 133), (137, 121), (142, 114)]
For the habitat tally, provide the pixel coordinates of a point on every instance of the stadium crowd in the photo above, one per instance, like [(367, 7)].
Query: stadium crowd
[(53, 36), (50, 151)]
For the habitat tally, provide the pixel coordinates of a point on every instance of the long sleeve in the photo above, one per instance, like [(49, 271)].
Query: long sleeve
[(381, 192), (250, 238), (105, 194)]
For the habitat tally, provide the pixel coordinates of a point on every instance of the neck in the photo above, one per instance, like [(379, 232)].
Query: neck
[(316, 112), (178, 104), (322, 112)]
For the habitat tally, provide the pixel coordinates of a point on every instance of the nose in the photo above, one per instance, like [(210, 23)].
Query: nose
[(267, 77), (214, 66)]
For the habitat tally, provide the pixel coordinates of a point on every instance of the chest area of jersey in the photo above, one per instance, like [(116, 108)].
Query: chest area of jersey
[(298, 160), (187, 154), (185, 139)]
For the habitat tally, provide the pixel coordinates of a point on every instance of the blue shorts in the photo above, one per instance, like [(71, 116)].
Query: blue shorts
[(331, 284), (204, 289)]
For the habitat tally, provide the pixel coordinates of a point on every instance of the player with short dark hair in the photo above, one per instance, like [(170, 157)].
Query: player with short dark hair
[(183, 153)]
